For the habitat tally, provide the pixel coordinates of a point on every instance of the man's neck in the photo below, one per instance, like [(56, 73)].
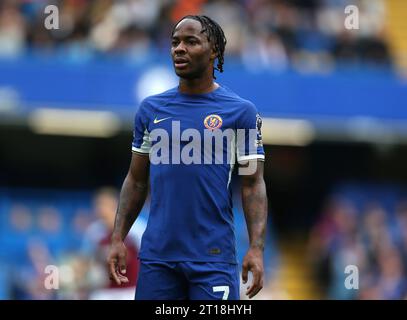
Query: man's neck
[(197, 86)]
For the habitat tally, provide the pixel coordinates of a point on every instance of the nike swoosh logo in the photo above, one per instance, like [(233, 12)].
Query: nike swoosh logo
[(159, 120)]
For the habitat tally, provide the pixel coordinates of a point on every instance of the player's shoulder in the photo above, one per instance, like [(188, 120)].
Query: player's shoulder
[(159, 98), (240, 102)]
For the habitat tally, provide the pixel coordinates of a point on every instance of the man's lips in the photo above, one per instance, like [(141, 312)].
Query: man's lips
[(180, 62)]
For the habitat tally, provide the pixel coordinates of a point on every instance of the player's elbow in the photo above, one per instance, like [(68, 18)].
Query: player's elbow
[(136, 182)]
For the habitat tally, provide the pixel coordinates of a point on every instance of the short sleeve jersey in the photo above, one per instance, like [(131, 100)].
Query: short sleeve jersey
[(194, 142)]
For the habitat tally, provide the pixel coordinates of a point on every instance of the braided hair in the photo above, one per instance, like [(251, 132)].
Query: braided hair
[(215, 36)]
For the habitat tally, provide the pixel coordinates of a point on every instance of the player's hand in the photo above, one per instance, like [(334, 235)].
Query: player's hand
[(117, 262), (253, 262)]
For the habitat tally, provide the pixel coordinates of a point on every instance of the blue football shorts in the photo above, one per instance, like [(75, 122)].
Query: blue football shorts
[(161, 280)]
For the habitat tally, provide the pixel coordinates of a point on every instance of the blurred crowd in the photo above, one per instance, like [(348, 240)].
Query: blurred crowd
[(55, 246), (370, 235), (307, 35)]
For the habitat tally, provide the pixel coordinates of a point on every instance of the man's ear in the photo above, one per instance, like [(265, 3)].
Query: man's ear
[(214, 53)]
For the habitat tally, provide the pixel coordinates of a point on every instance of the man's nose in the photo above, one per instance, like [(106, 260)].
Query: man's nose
[(180, 48)]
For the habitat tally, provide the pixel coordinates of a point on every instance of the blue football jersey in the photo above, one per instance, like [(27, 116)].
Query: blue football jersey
[(194, 142)]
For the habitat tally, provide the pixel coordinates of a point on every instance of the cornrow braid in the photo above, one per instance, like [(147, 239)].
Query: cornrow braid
[(215, 35)]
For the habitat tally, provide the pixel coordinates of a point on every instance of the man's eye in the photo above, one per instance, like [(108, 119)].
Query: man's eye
[(174, 43), (192, 42)]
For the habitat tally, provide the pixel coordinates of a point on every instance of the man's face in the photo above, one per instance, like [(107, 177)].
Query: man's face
[(191, 52), (105, 207)]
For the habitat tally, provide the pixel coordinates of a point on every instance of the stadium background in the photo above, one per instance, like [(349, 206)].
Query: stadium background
[(334, 108)]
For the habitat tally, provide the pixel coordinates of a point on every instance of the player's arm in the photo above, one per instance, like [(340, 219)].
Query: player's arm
[(132, 197), (254, 201)]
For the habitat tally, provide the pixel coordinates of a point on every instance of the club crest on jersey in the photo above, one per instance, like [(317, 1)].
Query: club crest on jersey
[(213, 121)]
